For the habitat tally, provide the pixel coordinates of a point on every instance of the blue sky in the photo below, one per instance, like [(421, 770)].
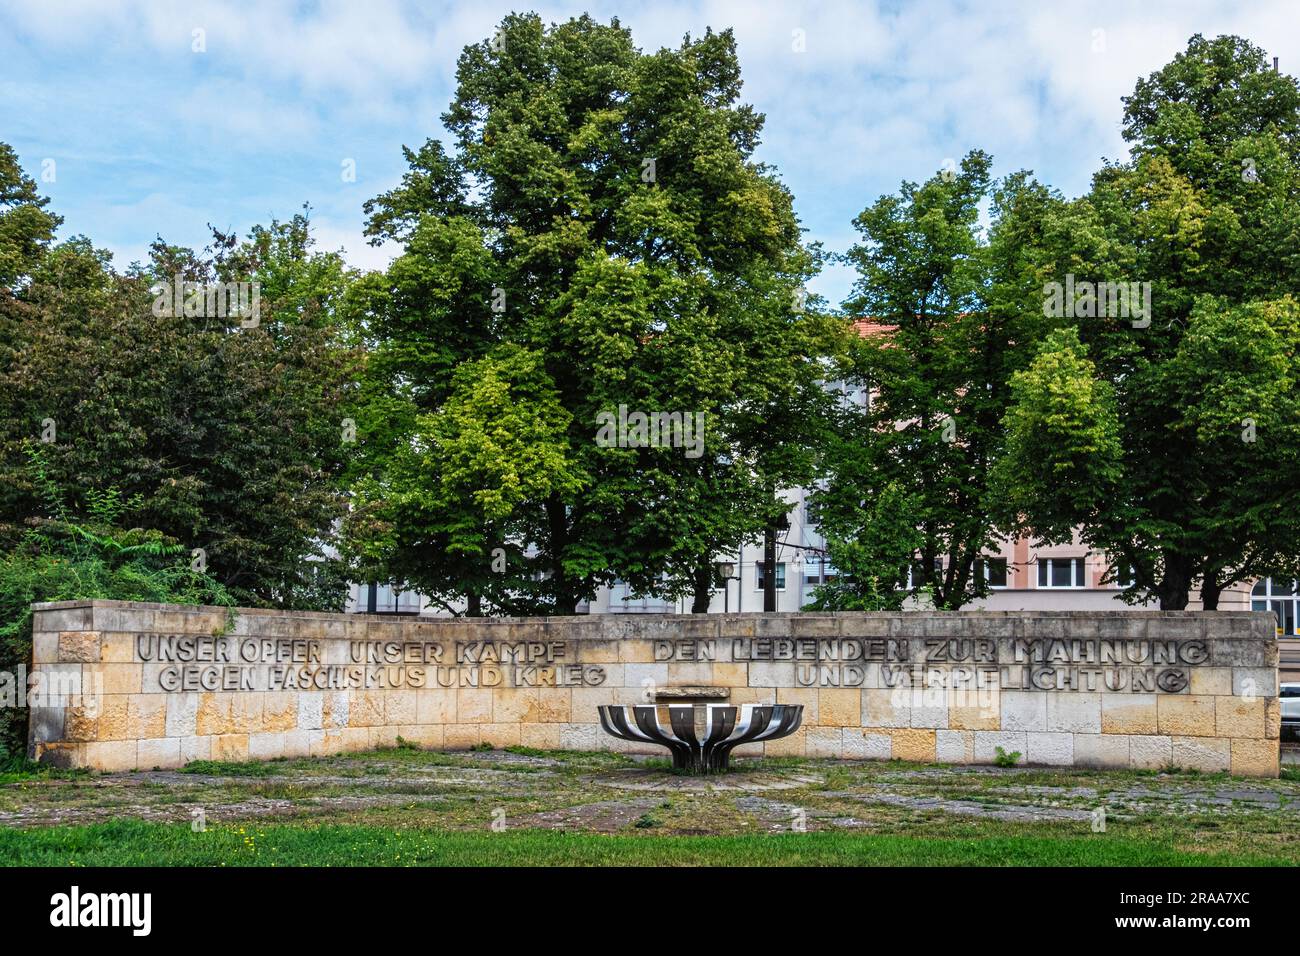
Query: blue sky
[(134, 134)]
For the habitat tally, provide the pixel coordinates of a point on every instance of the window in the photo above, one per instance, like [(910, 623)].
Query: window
[(818, 573), (916, 573), (385, 599), (812, 512), (992, 570), (1061, 572), (1282, 599), (761, 578)]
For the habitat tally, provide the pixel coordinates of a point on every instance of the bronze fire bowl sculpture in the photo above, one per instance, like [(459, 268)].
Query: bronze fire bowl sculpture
[(701, 736)]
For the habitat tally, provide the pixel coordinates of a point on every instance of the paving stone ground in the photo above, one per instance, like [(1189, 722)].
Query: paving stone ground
[(607, 793)]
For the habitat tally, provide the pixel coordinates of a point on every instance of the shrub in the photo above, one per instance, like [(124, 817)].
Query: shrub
[(67, 557)]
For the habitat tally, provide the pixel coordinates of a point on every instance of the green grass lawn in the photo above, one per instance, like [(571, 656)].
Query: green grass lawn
[(139, 843), (405, 806)]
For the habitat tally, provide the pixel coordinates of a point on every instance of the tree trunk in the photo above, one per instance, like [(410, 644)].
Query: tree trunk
[(1211, 590), (557, 520), (473, 604), (1176, 584), (769, 570), (702, 584)]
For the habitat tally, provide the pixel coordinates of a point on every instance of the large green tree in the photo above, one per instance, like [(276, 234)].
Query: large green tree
[(596, 236), (1190, 423), (950, 312), (223, 433)]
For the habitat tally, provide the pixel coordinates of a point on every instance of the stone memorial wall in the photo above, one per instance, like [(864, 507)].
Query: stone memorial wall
[(120, 686)]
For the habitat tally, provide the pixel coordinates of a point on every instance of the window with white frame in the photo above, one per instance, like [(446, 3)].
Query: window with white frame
[(760, 576), (1061, 573), (992, 570), (916, 573), (1283, 599)]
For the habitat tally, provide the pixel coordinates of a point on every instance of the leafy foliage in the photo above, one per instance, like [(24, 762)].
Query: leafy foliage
[(66, 556)]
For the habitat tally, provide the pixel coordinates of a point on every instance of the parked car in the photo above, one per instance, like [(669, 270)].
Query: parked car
[(1290, 694)]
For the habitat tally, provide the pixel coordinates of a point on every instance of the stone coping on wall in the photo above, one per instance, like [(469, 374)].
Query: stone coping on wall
[(137, 685)]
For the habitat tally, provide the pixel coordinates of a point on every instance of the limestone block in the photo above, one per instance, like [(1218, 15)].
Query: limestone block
[(824, 742), (474, 705), (79, 724), (1129, 714), (330, 742), (1186, 716), (839, 707), (79, 647), (579, 736), (62, 685), (195, 748), (182, 715), (311, 710), (954, 746), (400, 706), (117, 648), (47, 724), (808, 696), (423, 735), (600, 652), (246, 713), (649, 676), (462, 736), (1251, 682), (791, 746), (160, 752), (1076, 713), (540, 736), (638, 652), (864, 745), (336, 710), (1255, 758), (113, 718), (583, 702), (887, 707), (1051, 748), (929, 707), (696, 673), (264, 746), (366, 708), (771, 674), (45, 647), (111, 755), (1101, 750), (554, 705), (1238, 717), (230, 747), (116, 678), (979, 709), (1207, 754), (297, 742), (1273, 718), (279, 711), (435, 706), (730, 675), (146, 715), (987, 743), (355, 738), (913, 744), (501, 735), (513, 704), (1211, 681), (1024, 710), (1149, 752)]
